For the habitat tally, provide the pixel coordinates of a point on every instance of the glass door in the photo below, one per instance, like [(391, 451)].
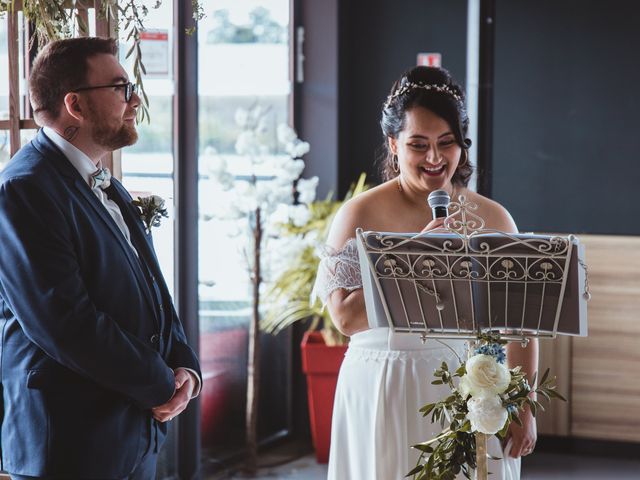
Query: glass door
[(243, 61)]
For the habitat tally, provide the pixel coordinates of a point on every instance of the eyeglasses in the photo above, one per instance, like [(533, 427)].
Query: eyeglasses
[(129, 89)]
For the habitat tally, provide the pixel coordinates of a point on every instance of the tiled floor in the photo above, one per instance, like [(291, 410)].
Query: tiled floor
[(548, 466), (541, 466)]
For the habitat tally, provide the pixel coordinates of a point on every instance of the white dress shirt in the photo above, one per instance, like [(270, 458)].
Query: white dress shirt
[(86, 168)]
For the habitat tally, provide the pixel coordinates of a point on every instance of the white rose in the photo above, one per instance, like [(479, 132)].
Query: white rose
[(485, 377), (486, 414)]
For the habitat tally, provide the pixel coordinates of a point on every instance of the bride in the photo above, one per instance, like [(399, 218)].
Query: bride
[(385, 378)]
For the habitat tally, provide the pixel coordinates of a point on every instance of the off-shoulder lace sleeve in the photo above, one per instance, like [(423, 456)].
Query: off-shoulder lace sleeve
[(337, 269)]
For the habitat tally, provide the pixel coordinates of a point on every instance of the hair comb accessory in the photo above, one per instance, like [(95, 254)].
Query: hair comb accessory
[(424, 86)]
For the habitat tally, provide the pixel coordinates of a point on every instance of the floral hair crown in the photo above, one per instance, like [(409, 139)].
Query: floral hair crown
[(425, 86)]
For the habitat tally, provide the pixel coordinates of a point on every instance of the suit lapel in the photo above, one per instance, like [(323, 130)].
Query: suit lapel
[(104, 215), (131, 216), (48, 149)]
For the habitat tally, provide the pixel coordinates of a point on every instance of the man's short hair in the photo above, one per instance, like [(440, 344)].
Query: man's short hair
[(60, 68)]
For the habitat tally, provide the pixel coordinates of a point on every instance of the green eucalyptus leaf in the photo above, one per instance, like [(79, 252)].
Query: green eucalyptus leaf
[(414, 471), (544, 377)]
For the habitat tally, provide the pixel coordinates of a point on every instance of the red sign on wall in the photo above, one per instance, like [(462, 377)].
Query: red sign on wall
[(430, 59), (155, 52)]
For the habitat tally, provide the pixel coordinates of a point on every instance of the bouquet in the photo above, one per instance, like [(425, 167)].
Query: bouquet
[(486, 397)]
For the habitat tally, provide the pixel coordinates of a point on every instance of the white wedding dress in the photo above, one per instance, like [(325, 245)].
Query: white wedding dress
[(384, 380)]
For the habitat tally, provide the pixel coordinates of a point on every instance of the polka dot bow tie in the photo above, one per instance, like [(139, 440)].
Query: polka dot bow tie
[(101, 178)]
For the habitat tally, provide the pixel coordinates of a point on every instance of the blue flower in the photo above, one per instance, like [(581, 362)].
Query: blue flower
[(495, 350)]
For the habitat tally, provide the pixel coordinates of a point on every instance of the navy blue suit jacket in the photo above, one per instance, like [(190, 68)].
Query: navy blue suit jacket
[(89, 332)]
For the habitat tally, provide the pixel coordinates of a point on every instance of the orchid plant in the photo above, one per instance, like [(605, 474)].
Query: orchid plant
[(265, 195)]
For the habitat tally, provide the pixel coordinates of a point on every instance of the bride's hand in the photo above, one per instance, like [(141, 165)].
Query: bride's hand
[(523, 439), (433, 224)]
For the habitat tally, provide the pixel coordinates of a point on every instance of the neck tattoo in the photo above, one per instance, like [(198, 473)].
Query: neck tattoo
[(70, 133)]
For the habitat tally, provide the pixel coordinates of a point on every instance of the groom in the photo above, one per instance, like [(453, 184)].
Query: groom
[(94, 359)]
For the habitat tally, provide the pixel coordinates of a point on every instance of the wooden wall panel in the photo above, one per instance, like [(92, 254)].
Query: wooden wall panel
[(556, 355), (606, 364)]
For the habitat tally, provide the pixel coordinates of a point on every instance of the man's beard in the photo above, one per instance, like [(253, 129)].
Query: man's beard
[(108, 136)]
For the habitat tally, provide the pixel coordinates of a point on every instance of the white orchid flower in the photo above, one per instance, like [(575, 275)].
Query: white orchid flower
[(299, 215), (286, 134), (242, 117), (300, 149), (307, 189)]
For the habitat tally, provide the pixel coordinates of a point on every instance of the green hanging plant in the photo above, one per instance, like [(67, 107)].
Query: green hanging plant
[(58, 19)]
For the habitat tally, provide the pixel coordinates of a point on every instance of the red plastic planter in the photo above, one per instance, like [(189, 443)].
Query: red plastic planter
[(321, 364)]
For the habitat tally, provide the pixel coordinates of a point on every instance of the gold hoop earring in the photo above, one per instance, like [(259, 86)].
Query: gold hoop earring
[(394, 164), (466, 159)]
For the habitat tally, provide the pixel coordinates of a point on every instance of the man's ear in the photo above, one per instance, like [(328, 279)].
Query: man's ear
[(73, 107), (393, 145)]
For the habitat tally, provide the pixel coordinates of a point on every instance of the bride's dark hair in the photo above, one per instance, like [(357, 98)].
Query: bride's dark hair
[(417, 88)]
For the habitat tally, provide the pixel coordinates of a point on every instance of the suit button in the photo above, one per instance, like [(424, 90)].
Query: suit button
[(154, 338), (161, 308)]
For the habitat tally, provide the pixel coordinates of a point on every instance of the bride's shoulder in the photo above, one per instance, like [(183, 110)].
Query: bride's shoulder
[(360, 211), (493, 213)]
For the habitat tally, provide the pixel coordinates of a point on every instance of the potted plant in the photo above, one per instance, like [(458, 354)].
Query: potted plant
[(290, 301)]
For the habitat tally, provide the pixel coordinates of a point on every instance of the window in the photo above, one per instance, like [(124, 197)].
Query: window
[(243, 50), (147, 166), (14, 130), (4, 93)]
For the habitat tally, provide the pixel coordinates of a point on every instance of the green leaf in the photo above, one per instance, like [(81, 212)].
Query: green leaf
[(414, 470), (426, 410), (544, 377), (516, 419), (423, 448), (130, 51), (554, 394)]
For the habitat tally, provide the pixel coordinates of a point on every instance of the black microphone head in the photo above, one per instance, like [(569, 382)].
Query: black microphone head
[(439, 198)]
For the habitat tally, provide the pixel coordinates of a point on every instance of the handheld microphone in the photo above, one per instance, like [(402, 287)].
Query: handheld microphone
[(439, 202)]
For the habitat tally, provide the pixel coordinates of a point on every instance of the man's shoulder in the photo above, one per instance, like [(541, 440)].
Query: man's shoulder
[(28, 164), (25, 163)]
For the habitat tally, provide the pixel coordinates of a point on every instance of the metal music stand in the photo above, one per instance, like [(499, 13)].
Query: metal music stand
[(464, 280)]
